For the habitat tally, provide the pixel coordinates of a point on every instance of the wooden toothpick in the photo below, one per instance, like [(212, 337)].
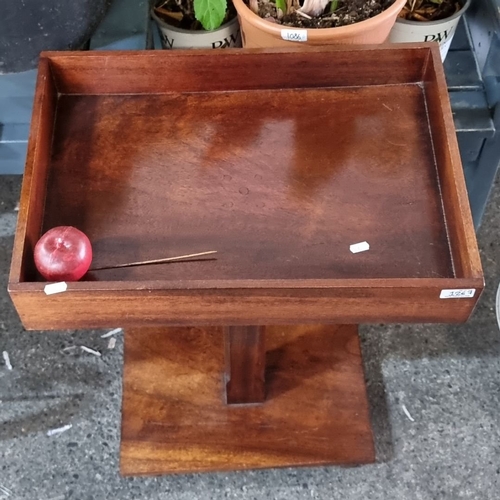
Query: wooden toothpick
[(155, 261)]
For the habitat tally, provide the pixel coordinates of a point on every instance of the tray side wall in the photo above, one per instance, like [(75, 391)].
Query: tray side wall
[(31, 207), (102, 308), (456, 207), (233, 69)]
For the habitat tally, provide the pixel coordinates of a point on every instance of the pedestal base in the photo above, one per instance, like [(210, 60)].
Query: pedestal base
[(175, 418)]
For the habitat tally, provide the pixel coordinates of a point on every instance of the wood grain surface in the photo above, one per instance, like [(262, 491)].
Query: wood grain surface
[(280, 194), (151, 303), (160, 72), (279, 178), (175, 418), (34, 187), (459, 222), (245, 364)]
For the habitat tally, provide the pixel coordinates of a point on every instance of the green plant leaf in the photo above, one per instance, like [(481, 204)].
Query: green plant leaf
[(334, 5), (210, 13), (281, 4)]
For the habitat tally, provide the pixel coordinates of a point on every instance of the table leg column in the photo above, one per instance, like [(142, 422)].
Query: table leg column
[(245, 364)]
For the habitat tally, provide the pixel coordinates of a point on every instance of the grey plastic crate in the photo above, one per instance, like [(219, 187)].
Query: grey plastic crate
[(16, 102), (482, 30)]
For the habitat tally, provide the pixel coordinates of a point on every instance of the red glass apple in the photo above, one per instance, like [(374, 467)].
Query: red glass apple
[(63, 253)]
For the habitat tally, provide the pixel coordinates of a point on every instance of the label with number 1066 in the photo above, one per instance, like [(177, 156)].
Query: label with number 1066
[(462, 293), (294, 35)]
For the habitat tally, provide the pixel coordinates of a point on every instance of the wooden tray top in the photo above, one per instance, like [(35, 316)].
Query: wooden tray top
[(278, 160)]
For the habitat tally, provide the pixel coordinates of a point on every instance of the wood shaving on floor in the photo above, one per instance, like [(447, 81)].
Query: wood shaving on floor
[(6, 359), (407, 413), (90, 351), (111, 333), (6, 491), (59, 430), (69, 348)]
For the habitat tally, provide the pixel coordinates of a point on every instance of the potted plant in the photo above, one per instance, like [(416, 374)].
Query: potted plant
[(197, 24), (429, 21), (277, 23)]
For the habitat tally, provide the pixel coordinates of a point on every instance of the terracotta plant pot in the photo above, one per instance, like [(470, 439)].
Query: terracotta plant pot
[(228, 35), (441, 31), (256, 32)]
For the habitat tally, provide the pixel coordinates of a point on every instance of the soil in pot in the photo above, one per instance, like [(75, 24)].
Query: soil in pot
[(180, 14), (429, 10), (335, 13)]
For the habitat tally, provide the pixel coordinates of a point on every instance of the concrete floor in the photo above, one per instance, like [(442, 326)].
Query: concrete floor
[(448, 377)]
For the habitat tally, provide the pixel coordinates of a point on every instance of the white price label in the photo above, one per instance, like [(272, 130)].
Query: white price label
[(53, 288), (360, 247), (465, 293), (294, 35)]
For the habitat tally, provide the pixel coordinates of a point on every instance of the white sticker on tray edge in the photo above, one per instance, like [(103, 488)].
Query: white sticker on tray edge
[(53, 288), (294, 35), (459, 293), (360, 247)]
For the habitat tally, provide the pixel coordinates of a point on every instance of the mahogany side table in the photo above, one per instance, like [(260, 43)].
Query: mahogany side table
[(281, 161)]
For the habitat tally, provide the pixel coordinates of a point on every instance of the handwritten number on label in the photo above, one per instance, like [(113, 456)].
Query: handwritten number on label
[(294, 35), (465, 293)]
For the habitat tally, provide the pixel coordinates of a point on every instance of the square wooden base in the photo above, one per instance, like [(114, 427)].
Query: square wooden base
[(175, 418)]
